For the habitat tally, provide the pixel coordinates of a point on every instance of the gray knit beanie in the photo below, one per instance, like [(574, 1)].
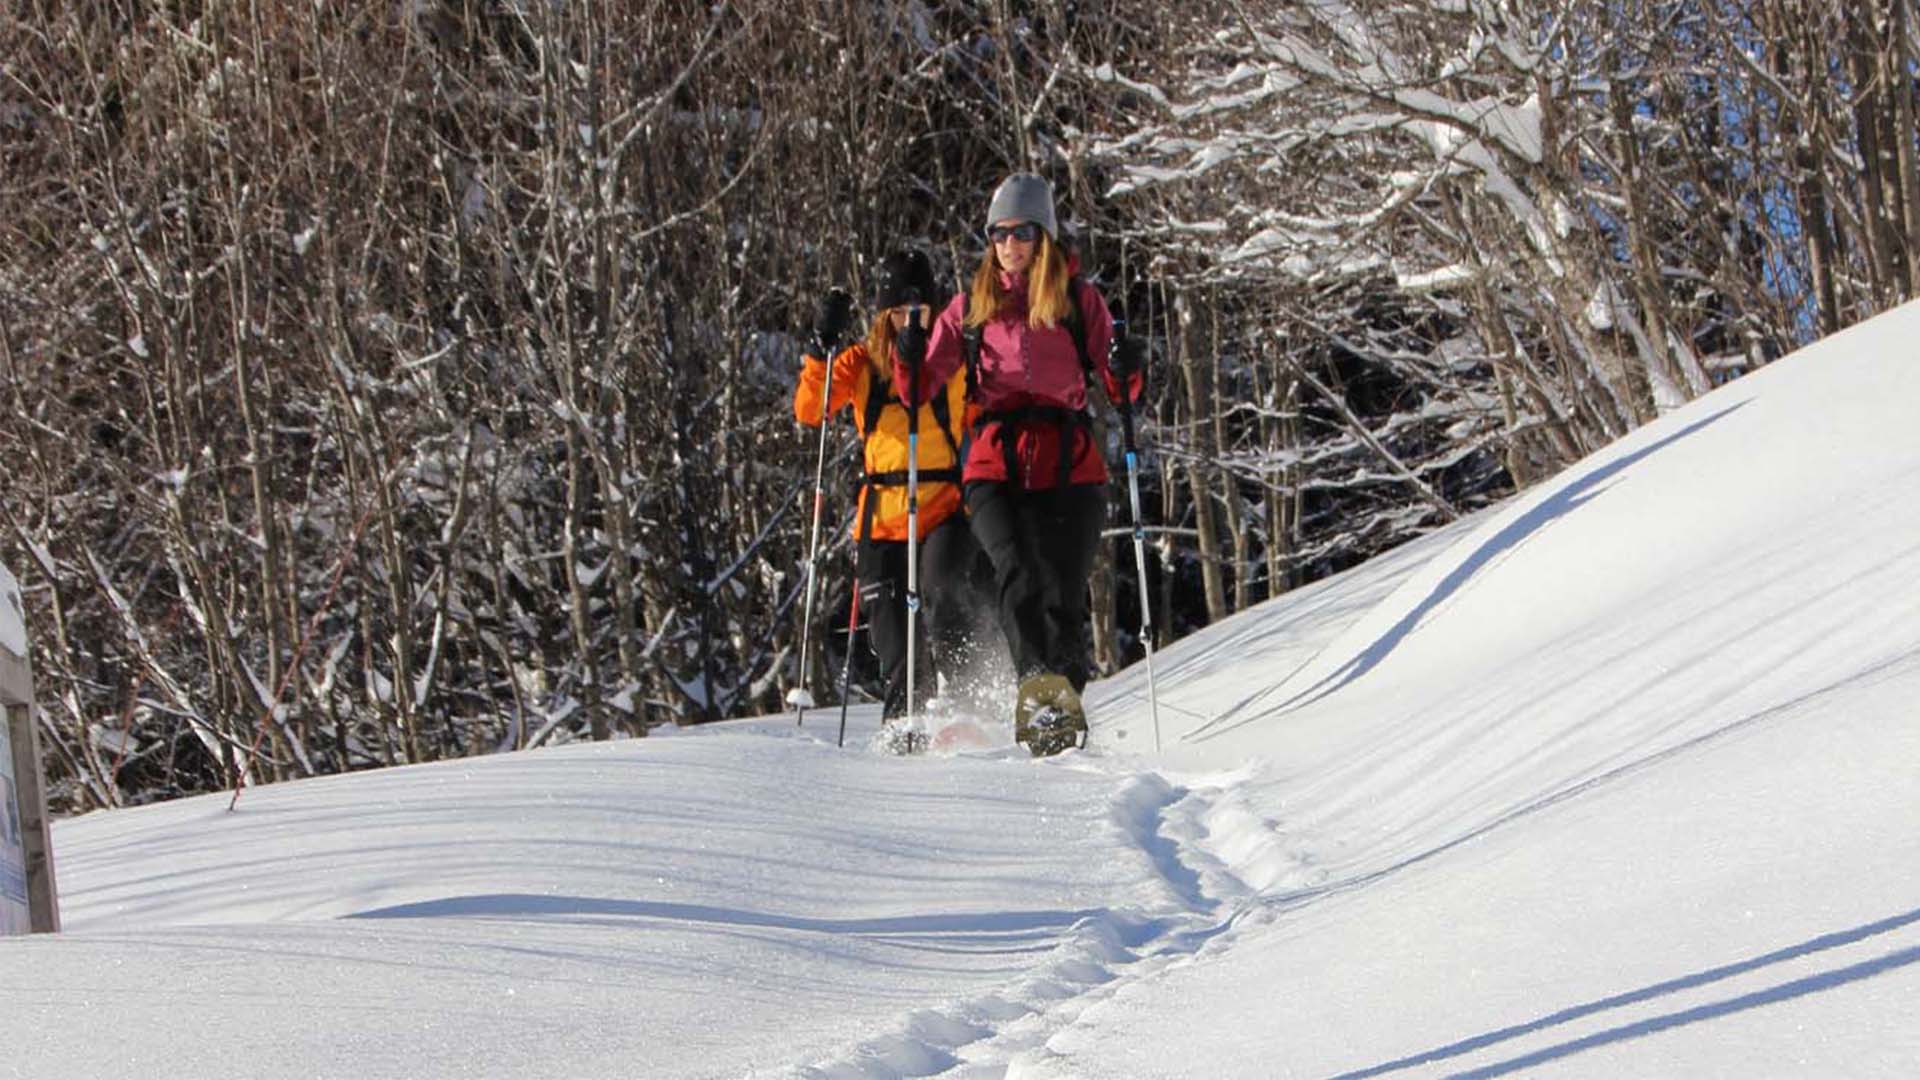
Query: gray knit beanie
[(1024, 197)]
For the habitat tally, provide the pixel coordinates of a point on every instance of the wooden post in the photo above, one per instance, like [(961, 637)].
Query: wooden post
[(43, 896), (29, 810)]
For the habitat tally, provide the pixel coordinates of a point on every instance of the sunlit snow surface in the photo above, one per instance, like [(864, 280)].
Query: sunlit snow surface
[(1616, 779)]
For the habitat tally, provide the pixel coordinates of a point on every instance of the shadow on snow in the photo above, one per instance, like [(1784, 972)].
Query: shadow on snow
[(1787, 991), (528, 905)]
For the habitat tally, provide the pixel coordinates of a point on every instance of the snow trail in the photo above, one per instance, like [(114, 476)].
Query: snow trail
[(1186, 896)]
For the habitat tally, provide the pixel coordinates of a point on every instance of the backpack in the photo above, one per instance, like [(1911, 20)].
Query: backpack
[(880, 395)]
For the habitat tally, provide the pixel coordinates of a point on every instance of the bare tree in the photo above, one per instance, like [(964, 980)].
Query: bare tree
[(395, 382)]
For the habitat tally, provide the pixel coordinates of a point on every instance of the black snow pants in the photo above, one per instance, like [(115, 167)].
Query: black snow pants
[(947, 555), (1042, 545)]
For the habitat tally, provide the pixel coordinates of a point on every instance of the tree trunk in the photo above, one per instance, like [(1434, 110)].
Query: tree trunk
[(1193, 373)]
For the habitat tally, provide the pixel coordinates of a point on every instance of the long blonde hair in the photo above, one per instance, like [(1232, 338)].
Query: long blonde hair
[(1047, 281), (880, 344)]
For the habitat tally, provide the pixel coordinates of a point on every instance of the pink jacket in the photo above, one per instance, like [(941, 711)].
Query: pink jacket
[(1022, 367)]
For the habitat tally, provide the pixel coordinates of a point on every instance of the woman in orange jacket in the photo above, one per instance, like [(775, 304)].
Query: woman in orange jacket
[(862, 379)]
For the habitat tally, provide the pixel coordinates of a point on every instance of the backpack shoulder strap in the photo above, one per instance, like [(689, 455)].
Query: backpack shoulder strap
[(943, 415), (877, 394), (1077, 325), (970, 351)]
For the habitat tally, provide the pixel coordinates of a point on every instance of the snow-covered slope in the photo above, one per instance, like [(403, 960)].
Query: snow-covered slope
[(1632, 755), (1615, 779)]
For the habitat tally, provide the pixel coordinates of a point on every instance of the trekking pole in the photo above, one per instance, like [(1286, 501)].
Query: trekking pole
[(846, 666), (1139, 533), (913, 504), (867, 493), (798, 697)]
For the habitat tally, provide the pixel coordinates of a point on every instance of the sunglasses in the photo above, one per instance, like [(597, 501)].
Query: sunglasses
[(1026, 232)]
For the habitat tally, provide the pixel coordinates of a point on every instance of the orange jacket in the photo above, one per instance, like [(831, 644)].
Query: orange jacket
[(855, 380)]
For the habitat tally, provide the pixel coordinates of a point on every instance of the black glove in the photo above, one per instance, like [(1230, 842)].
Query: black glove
[(911, 343), (830, 326), (1127, 357)]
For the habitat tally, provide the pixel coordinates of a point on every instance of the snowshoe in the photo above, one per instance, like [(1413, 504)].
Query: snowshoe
[(1048, 717)]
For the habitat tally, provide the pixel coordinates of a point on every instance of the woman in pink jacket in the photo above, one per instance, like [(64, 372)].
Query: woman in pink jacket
[(1032, 333)]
